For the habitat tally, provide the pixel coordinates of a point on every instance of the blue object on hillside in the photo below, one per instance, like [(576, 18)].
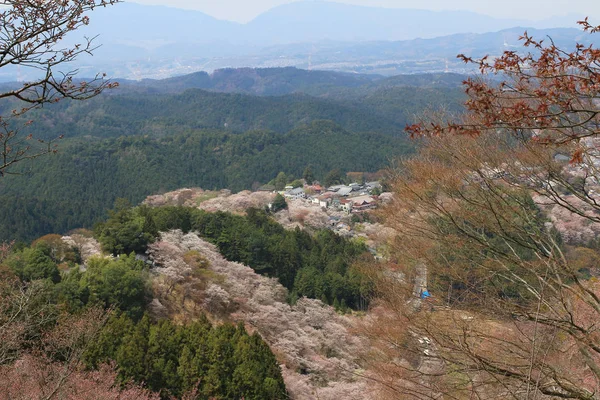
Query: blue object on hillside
[(425, 294)]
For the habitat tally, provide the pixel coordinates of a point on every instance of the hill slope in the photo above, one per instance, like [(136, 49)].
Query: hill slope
[(75, 187), (159, 108)]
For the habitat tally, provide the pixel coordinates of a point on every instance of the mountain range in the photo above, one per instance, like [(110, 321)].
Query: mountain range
[(139, 41), (149, 27)]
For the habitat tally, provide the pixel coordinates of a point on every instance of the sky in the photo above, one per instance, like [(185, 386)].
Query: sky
[(245, 10)]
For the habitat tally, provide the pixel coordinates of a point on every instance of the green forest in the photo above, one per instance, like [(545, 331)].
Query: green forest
[(457, 259), (316, 266), (211, 361), (173, 359), (150, 137), (288, 80), (217, 361), (385, 107), (75, 187)]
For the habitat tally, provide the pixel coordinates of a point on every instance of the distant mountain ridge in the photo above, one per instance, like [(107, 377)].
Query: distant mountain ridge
[(141, 41), (290, 80), (420, 55), (258, 81), (151, 27), (344, 22), (387, 58), (240, 100), (301, 21)]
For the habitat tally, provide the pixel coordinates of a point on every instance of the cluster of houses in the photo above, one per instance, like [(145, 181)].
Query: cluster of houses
[(353, 198)]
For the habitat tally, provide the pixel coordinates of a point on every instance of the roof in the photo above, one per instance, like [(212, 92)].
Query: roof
[(296, 191), (345, 191), (363, 199)]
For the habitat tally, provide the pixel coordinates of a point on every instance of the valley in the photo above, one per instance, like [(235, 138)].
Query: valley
[(322, 201)]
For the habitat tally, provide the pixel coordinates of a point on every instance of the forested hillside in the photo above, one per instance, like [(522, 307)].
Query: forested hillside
[(160, 115), (257, 81), (382, 108), (281, 81), (154, 136), (76, 186), (99, 318), (315, 266)]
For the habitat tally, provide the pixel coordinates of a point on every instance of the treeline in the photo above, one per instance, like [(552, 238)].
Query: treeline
[(75, 187), (213, 362), (255, 81), (384, 107), (317, 266), (160, 115)]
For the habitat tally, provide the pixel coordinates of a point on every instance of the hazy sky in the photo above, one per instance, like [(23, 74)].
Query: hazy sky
[(245, 10)]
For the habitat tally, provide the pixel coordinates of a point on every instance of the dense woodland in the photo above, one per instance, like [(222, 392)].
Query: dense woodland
[(155, 136), (157, 110), (167, 358), (217, 361), (282, 81), (317, 266), (211, 361), (144, 141), (489, 285), (75, 187)]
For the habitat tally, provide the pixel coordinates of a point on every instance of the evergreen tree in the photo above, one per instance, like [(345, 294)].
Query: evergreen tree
[(117, 282), (308, 175), (280, 181), (333, 177), (131, 356), (279, 203)]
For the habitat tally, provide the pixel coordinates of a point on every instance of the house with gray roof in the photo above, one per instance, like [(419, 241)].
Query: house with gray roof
[(344, 191), (297, 193)]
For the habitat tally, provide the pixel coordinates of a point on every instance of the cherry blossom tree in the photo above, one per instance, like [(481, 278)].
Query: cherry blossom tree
[(513, 313)]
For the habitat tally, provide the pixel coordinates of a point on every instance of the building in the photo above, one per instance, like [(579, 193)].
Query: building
[(363, 203), (297, 193), (334, 188), (346, 205), (344, 191)]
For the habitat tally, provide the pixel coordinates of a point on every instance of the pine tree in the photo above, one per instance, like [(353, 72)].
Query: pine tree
[(308, 176), (279, 203), (132, 355)]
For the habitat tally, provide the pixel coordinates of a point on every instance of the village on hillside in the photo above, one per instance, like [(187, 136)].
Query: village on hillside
[(337, 207), (343, 209), (352, 198)]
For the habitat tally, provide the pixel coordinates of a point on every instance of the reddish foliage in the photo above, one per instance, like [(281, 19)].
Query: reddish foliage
[(547, 92), (38, 378)]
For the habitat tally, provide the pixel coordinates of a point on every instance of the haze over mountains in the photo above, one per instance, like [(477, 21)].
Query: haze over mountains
[(157, 42), (303, 21)]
